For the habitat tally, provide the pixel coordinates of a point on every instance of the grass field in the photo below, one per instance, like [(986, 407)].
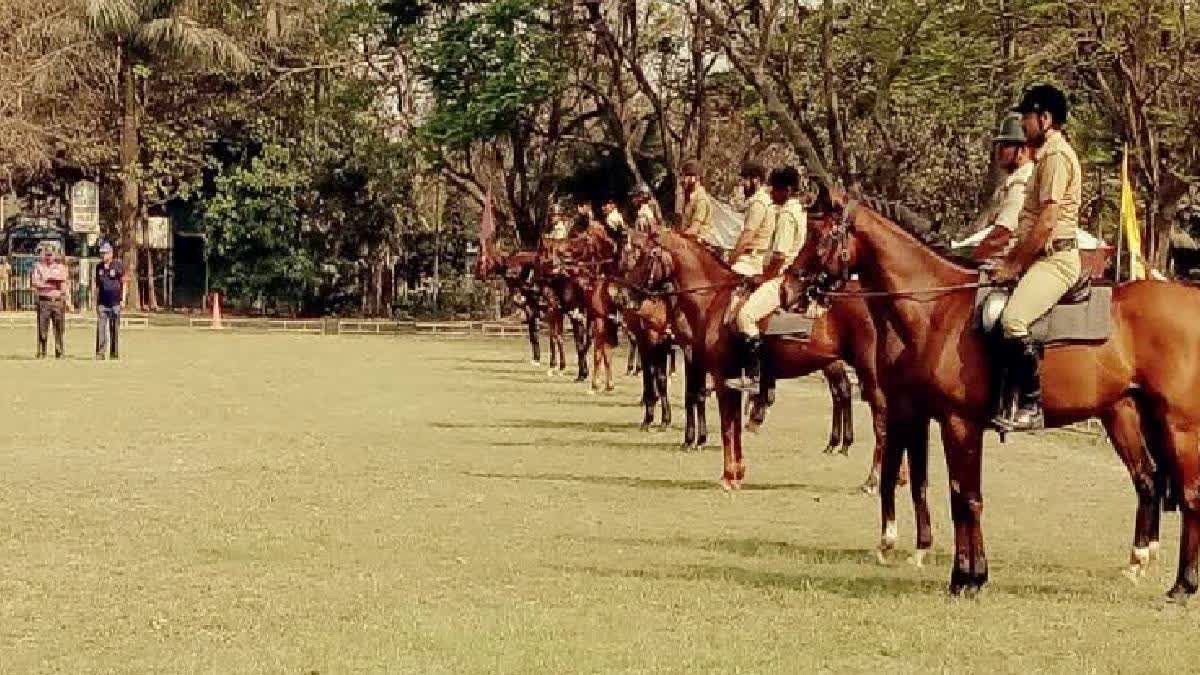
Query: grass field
[(279, 504)]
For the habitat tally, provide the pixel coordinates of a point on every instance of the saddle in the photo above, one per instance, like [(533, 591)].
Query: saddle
[(793, 325), (1084, 314)]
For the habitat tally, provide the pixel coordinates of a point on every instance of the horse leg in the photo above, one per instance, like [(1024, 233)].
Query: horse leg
[(630, 368), (832, 373), (648, 396), (607, 356), (661, 381), (535, 343), (917, 450), (583, 342), (729, 403), (701, 402), (847, 391), (887, 494), (1124, 427), (963, 443), (696, 432), (1179, 435)]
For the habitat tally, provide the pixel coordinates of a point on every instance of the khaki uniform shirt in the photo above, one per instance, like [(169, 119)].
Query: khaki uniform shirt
[(1057, 177), (647, 220), (698, 215), (791, 227), (757, 233)]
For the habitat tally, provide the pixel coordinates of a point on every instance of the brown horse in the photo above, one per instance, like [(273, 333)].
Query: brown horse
[(701, 285), (1141, 382)]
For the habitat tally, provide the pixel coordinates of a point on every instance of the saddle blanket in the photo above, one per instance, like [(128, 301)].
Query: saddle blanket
[(1087, 321), (790, 324)]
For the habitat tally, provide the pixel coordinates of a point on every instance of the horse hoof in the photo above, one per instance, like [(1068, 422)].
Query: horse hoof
[(845, 451), (870, 487), (1179, 595), (551, 373), (727, 485), (917, 559), (591, 392), (752, 427), (609, 389), (1154, 546), (882, 556), (644, 427)]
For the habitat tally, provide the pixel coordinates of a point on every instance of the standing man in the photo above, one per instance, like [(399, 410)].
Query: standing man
[(1046, 256), (108, 287), (697, 208), (750, 251), (785, 242), (49, 280), (1012, 156)]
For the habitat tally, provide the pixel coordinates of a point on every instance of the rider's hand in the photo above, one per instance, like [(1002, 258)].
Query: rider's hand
[(1005, 272)]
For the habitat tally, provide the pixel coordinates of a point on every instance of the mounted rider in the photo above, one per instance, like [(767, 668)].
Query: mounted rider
[(785, 226), (697, 205), (647, 220), (1045, 258), (1013, 157)]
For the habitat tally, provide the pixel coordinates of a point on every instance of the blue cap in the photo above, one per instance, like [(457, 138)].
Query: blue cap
[(106, 247)]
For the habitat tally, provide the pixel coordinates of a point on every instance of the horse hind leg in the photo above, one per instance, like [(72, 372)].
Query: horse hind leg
[(1124, 426), (1180, 443), (835, 377)]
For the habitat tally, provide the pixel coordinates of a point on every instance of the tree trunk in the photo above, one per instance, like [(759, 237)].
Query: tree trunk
[(130, 205)]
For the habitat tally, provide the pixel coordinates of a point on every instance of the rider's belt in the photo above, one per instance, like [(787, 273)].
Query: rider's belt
[(1060, 245)]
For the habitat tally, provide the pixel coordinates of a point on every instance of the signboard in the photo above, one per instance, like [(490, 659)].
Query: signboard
[(85, 207), (157, 233)]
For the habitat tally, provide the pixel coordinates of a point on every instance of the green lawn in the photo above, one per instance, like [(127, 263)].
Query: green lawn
[(223, 503)]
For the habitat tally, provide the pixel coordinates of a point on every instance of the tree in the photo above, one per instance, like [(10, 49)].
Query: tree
[(146, 32)]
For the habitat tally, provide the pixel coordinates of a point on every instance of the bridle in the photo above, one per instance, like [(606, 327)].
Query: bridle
[(833, 252)]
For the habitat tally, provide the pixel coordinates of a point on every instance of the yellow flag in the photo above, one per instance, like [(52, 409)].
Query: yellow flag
[(1129, 221)]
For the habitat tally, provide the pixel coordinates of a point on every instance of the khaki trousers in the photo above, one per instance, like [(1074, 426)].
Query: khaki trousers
[(1044, 284), (761, 303)]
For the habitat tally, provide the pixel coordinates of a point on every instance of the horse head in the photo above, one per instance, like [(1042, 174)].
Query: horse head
[(828, 257)]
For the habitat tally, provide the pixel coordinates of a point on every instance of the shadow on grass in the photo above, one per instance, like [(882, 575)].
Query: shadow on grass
[(558, 425), (760, 548), (653, 483), (1076, 581), (857, 587), (654, 445)]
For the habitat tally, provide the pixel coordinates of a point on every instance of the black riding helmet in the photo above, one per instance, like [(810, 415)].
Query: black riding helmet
[(786, 177), (1045, 98)]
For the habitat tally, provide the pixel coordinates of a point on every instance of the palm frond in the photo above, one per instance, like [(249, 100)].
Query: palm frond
[(112, 17), (183, 38)]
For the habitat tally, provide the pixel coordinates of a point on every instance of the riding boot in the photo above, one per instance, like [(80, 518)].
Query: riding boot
[(750, 357), (1029, 415)]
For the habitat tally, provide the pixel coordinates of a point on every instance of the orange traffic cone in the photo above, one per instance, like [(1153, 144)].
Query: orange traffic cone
[(216, 310)]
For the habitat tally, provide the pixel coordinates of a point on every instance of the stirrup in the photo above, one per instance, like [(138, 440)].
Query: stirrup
[(744, 384), (1028, 419)]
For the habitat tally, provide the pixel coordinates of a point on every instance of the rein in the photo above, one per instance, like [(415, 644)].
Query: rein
[(910, 293), (673, 292)]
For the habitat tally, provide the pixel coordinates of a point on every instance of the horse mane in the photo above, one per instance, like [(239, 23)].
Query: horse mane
[(955, 264), (702, 248)]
